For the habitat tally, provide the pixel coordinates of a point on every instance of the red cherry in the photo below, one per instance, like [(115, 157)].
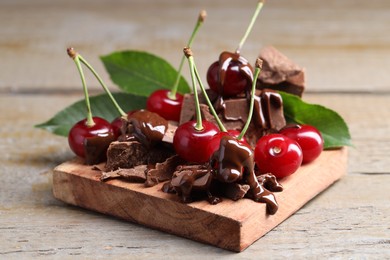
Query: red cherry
[(160, 103), (80, 131), (116, 125), (191, 144), (238, 74), (277, 154), (309, 139)]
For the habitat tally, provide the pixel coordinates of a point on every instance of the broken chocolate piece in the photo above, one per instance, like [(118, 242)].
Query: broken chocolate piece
[(189, 179), (162, 171), (133, 153), (280, 73)]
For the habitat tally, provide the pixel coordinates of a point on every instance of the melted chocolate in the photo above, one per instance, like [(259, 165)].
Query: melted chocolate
[(234, 162), (225, 59), (96, 148), (145, 126), (231, 160)]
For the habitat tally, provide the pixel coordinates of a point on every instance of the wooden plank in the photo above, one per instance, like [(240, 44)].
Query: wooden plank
[(229, 225)]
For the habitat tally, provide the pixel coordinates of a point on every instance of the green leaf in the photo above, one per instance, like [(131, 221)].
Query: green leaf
[(141, 73), (101, 106), (331, 125)]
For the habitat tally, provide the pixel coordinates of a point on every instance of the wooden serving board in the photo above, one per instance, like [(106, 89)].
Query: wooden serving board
[(229, 225)]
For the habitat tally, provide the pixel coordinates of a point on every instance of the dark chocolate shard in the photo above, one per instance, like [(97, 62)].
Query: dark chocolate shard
[(162, 171), (280, 73)]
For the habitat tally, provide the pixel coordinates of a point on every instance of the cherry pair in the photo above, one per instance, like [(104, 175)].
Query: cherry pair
[(283, 153), (90, 126)]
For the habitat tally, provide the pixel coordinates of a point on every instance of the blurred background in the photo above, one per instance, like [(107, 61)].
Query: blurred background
[(344, 45)]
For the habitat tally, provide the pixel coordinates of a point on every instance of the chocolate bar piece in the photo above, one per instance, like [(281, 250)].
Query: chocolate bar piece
[(280, 73), (133, 153)]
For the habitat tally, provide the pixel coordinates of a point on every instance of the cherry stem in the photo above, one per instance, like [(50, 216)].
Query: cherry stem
[(188, 53), (74, 55), (259, 64), (108, 92), (201, 18), (219, 122), (249, 29)]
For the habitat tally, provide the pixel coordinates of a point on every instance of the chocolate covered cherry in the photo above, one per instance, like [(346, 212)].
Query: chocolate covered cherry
[(81, 131), (230, 75)]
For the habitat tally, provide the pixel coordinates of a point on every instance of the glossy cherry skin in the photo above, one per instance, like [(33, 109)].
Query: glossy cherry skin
[(191, 144), (80, 131), (277, 154), (235, 81), (213, 145), (160, 103), (309, 139)]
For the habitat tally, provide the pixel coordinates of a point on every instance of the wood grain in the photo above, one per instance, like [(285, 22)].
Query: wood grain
[(229, 225), (336, 41)]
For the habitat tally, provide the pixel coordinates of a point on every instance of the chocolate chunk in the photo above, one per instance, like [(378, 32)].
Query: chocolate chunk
[(162, 171), (133, 153), (96, 148), (280, 73), (188, 180)]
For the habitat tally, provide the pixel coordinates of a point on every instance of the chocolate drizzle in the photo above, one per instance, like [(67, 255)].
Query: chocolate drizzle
[(144, 126), (235, 163)]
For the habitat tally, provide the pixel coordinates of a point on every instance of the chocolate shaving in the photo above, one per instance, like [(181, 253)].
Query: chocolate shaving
[(280, 73), (136, 174)]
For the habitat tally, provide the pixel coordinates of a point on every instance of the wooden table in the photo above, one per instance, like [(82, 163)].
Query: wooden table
[(344, 45)]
